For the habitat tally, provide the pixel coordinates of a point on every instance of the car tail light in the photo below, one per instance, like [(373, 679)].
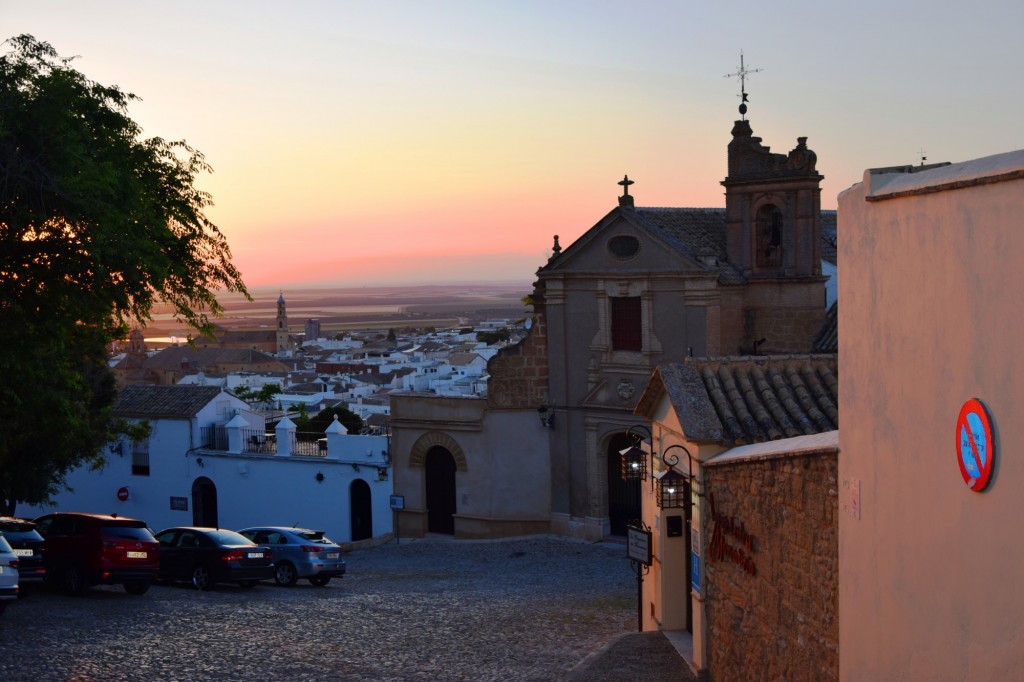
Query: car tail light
[(312, 548), (232, 555), (13, 564)]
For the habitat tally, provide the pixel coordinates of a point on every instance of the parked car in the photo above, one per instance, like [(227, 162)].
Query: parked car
[(28, 544), (82, 550), (300, 553), (8, 574), (205, 556)]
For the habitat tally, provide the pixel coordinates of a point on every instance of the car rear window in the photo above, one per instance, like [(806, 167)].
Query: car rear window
[(126, 532), (27, 534), (16, 526), (315, 536), (228, 537)]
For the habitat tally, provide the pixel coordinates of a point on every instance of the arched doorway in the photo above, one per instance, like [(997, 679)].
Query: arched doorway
[(440, 483), (204, 503), (360, 510), (623, 496)]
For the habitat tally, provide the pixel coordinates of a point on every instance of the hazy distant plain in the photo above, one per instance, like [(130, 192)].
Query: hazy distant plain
[(343, 309)]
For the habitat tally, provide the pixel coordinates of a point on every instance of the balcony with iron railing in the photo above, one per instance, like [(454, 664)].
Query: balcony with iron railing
[(257, 441)]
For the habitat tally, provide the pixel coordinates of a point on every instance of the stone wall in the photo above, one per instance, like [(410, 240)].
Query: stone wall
[(519, 373), (771, 567)]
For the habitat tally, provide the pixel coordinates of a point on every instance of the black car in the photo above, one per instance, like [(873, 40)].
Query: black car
[(205, 556), (28, 545)]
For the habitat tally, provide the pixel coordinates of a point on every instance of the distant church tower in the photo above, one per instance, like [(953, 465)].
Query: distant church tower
[(282, 325)]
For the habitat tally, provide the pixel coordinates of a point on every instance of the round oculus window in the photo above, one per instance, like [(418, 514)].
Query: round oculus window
[(623, 246)]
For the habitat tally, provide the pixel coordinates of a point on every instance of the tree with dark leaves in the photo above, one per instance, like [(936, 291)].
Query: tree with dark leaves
[(97, 224)]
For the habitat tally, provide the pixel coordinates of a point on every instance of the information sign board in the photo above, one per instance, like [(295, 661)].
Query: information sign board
[(638, 545)]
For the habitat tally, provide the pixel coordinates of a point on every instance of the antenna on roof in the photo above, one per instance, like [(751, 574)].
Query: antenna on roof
[(921, 153)]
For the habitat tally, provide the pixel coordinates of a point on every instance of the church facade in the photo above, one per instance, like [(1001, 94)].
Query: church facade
[(642, 287)]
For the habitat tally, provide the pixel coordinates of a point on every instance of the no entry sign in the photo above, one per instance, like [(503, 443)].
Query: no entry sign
[(975, 449)]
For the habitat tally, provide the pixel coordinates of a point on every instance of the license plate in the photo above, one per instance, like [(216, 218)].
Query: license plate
[(23, 552), (255, 555), (137, 555), (332, 555)]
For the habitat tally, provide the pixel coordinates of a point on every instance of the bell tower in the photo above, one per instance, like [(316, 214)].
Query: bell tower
[(773, 208), (282, 326), (772, 202)]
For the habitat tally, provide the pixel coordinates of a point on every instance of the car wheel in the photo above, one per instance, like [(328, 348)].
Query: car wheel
[(320, 580), (136, 587), (285, 574), (74, 580), (201, 578), (247, 584)]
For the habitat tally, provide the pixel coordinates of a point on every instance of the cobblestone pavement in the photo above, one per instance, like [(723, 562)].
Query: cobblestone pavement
[(434, 609)]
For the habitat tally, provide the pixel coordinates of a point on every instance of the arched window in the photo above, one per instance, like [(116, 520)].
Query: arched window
[(769, 237)]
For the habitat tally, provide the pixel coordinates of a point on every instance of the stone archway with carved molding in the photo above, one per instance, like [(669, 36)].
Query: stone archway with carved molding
[(424, 443)]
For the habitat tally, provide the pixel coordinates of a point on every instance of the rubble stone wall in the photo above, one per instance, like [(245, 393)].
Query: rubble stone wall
[(771, 556)]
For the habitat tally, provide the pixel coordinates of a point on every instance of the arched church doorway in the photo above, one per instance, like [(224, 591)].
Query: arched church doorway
[(623, 496), (440, 483), (204, 503), (360, 510)]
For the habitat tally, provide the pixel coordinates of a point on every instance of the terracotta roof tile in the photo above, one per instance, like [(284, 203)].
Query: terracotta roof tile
[(759, 398), (827, 339)]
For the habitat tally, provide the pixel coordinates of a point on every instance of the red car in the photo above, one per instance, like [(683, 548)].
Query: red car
[(83, 550)]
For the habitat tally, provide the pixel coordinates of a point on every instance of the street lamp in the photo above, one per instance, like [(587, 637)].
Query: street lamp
[(672, 484), (634, 458)]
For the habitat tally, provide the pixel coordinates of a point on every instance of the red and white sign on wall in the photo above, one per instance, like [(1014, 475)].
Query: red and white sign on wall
[(975, 448), (122, 494)]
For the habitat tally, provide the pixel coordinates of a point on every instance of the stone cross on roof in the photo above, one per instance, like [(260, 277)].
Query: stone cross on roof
[(625, 182), (625, 200)]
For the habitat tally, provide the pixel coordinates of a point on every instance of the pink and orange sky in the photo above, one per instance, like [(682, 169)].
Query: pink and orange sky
[(405, 141)]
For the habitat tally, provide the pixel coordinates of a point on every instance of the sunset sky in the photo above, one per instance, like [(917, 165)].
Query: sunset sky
[(406, 141)]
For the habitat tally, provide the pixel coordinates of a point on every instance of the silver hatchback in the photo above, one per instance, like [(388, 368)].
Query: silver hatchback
[(8, 574), (300, 553)]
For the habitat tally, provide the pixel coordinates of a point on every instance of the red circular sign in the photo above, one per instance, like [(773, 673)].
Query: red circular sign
[(975, 449), (122, 494)]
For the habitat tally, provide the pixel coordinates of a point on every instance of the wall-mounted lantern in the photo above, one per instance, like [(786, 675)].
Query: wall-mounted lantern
[(634, 458), (671, 489)]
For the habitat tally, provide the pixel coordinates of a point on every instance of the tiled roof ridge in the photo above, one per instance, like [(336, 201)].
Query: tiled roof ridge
[(706, 209), (764, 359)]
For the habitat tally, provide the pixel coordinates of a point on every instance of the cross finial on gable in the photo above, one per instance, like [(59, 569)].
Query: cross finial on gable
[(625, 182), (625, 200)]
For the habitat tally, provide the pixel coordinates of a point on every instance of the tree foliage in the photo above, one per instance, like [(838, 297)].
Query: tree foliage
[(319, 422), (264, 396), (97, 224), (494, 336)]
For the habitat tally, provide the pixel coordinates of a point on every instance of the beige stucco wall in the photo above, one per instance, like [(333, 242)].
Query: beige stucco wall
[(931, 301), (503, 476)]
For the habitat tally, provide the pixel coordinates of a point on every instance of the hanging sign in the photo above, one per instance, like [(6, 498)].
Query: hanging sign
[(975, 449)]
